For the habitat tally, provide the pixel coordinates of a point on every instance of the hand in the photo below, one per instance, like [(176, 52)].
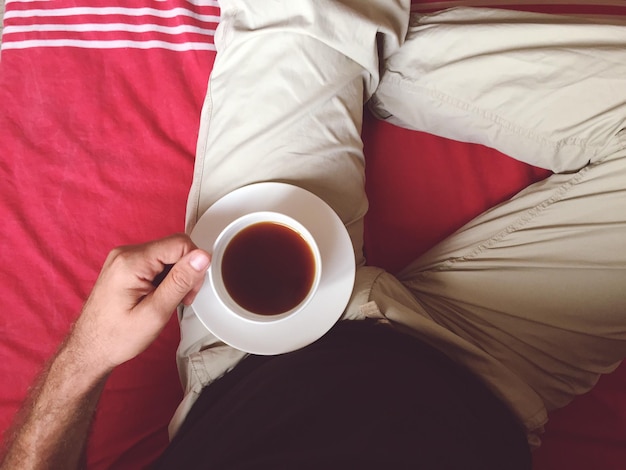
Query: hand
[(125, 311)]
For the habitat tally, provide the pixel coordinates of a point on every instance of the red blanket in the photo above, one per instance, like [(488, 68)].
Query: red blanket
[(98, 123)]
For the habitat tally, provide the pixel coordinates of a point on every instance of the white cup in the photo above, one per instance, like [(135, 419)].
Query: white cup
[(222, 244)]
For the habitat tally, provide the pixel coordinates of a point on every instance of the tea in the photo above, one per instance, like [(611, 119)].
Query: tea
[(268, 268)]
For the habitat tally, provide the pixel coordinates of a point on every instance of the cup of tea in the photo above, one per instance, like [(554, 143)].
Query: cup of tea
[(265, 266)]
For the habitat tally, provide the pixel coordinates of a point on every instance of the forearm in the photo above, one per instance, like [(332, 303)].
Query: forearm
[(53, 426), (123, 315)]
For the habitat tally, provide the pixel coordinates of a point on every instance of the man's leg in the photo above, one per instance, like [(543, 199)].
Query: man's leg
[(285, 100), (285, 104), (538, 282)]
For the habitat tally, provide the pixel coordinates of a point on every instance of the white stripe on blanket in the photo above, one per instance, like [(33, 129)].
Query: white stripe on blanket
[(190, 26)]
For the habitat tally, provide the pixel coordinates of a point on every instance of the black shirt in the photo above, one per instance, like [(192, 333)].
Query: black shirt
[(363, 396)]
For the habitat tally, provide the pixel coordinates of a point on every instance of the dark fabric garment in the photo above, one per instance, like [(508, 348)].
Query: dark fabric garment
[(363, 396)]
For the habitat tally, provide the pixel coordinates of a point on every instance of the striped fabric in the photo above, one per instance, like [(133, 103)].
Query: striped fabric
[(167, 25), (178, 26)]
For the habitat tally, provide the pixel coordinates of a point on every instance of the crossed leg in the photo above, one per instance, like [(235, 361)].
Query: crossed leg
[(538, 282)]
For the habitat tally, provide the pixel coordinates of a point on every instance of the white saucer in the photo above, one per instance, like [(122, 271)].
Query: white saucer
[(336, 283)]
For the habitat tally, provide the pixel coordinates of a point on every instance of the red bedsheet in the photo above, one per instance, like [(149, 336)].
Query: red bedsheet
[(97, 138)]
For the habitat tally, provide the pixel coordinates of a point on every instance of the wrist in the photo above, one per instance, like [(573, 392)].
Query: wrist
[(83, 364)]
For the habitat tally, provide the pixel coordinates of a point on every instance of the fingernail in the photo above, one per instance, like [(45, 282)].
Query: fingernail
[(199, 261)]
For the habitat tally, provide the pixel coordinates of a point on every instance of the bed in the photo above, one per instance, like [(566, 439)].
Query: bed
[(98, 123)]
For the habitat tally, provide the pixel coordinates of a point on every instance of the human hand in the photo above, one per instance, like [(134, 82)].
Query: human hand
[(125, 311)]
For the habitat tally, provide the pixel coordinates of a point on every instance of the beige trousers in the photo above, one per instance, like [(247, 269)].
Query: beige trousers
[(530, 295)]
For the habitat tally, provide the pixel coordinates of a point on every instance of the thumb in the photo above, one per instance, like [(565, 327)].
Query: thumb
[(186, 276)]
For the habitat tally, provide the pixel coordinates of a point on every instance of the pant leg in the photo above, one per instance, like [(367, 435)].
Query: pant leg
[(538, 282), (285, 103), (546, 90), (285, 100)]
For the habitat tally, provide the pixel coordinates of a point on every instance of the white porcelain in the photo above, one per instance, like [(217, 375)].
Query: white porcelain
[(335, 283)]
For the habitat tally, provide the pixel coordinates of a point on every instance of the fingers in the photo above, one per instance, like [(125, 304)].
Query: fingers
[(139, 269), (159, 254), (180, 285), (148, 261)]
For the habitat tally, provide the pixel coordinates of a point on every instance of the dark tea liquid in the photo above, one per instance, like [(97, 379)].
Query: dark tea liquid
[(268, 268)]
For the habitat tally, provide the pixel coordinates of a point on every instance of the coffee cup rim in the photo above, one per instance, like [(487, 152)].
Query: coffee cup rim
[(219, 247)]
